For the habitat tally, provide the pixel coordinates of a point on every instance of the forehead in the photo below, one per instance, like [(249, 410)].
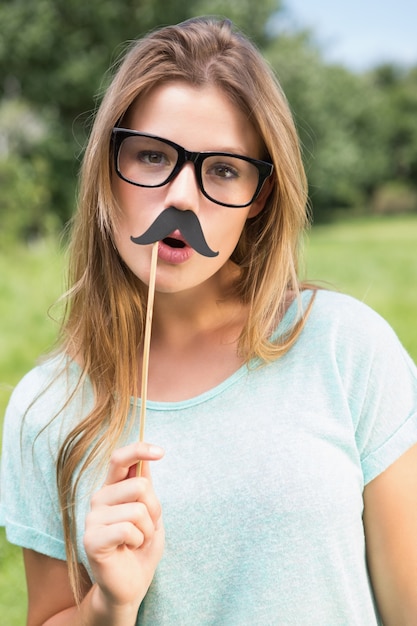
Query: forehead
[(200, 118)]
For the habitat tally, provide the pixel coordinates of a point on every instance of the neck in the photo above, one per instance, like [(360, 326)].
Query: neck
[(194, 344), (201, 309)]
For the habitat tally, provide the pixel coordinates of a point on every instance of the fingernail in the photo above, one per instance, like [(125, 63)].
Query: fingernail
[(155, 450)]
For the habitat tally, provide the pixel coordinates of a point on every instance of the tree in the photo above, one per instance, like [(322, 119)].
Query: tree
[(342, 122), (55, 53), (357, 131), (397, 88)]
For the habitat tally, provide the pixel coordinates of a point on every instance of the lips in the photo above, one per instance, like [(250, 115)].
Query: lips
[(175, 240), (174, 250)]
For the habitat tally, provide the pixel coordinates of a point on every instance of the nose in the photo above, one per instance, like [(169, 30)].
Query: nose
[(183, 191)]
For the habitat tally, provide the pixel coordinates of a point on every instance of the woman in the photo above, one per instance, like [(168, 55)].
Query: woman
[(283, 479)]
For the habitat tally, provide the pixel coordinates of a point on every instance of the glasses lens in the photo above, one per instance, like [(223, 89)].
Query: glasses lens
[(227, 179), (230, 180), (145, 160)]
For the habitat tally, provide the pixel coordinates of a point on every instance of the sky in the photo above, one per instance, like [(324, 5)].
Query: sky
[(359, 33)]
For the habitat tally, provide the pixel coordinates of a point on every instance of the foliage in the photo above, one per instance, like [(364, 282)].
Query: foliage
[(395, 197), (61, 52), (397, 90), (359, 131), (349, 124), (22, 187), (25, 198)]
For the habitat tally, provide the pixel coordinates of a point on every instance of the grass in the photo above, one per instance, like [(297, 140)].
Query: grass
[(374, 259), (31, 280)]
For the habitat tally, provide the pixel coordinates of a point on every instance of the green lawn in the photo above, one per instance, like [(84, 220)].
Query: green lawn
[(375, 260), (31, 280)]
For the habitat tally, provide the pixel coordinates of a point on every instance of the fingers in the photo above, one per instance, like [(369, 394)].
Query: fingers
[(124, 458), (124, 534), (110, 538), (125, 510), (128, 524), (129, 491)]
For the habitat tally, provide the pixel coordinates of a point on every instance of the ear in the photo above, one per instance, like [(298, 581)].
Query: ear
[(259, 203)]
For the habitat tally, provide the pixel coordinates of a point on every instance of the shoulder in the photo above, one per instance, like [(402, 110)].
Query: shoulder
[(344, 317), (343, 331), (43, 392), (342, 309), (47, 377), (361, 343)]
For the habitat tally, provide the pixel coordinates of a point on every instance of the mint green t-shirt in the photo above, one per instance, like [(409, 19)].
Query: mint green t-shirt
[(262, 481)]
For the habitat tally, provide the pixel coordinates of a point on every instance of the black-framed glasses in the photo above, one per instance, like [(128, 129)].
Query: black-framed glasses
[(230, 180)]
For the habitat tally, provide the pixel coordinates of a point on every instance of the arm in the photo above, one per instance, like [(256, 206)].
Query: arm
[(124, 539), (49, 591), (390, 519)]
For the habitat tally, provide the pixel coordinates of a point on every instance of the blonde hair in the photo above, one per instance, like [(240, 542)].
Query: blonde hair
[(104, 323)]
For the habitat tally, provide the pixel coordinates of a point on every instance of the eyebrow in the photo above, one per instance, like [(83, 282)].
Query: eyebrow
[(237, 150)]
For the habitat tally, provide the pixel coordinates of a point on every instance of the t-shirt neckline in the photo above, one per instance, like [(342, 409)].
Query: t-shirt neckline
[(156, 405)]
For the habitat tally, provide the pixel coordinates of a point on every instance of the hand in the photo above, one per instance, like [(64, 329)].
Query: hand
[(124, 535)]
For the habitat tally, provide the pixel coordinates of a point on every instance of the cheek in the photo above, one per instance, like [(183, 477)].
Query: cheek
[(138, 207), (228, 231)]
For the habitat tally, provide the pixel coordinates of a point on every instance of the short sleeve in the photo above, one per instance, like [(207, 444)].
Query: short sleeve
[(29, 504), (382, 388)]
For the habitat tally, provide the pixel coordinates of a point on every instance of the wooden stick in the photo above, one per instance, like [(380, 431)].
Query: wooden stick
[(146, 346)]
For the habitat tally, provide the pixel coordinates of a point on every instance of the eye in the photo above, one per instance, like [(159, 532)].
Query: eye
[(151, 157), (223, 170)]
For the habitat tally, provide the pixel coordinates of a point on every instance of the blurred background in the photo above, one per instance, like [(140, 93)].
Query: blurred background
[(348, 69), (350, 73)]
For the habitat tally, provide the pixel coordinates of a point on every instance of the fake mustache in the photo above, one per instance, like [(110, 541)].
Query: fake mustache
[(173, 219)]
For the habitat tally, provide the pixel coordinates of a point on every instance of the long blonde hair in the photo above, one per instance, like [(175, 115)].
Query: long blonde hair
[(104, 322)]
